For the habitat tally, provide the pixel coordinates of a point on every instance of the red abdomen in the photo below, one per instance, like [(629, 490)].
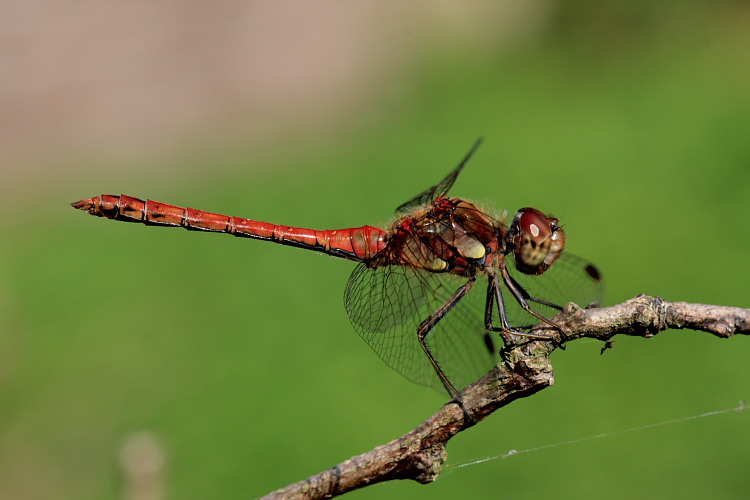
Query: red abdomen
[(358, 243)]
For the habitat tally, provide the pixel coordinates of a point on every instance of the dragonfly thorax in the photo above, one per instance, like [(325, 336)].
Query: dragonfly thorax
[(448, 235)]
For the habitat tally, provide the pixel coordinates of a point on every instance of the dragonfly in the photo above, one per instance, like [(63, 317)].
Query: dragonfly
[(414, 295)]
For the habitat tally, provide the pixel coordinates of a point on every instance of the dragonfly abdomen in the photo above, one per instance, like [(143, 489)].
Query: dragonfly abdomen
[(352, 243)]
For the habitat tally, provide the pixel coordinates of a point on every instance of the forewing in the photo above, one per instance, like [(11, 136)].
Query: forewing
[(441, 189), (569, 279), (387, 304)]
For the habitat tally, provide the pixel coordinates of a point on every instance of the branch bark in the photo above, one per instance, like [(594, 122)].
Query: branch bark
[(526, 369)]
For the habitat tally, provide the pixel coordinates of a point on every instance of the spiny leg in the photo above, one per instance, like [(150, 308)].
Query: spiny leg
[(521, 296), (495, 295), (529, 298), (428, 324)]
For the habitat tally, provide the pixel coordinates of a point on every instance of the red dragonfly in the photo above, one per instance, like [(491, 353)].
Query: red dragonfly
[(412, 297)]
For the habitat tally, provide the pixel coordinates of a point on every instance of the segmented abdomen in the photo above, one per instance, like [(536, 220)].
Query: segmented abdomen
[(358, 243)]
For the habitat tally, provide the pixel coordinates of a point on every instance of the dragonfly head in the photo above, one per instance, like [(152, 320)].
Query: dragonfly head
[(536, 240)]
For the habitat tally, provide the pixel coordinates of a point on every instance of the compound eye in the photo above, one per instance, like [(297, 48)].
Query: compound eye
[(537, 240)]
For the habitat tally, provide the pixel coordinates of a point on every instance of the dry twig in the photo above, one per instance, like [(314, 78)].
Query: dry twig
[(420, 454)]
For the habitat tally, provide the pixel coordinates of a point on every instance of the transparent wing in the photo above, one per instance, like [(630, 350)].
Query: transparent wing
[(386, 305), (441, 189), (569, 279)]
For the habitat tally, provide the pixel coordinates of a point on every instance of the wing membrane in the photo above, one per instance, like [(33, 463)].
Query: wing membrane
[(441, 189), (386, 305)]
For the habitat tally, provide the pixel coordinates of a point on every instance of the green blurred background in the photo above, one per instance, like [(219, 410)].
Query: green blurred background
[(215, 367)]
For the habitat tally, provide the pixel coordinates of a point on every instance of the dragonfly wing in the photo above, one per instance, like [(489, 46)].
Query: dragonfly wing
[(441, 189), (386, 305), (569, 279)]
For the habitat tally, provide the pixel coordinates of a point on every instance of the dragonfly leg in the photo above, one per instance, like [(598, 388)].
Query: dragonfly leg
[(428, 324), (529, 298), (522, 296), (495, 295)]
